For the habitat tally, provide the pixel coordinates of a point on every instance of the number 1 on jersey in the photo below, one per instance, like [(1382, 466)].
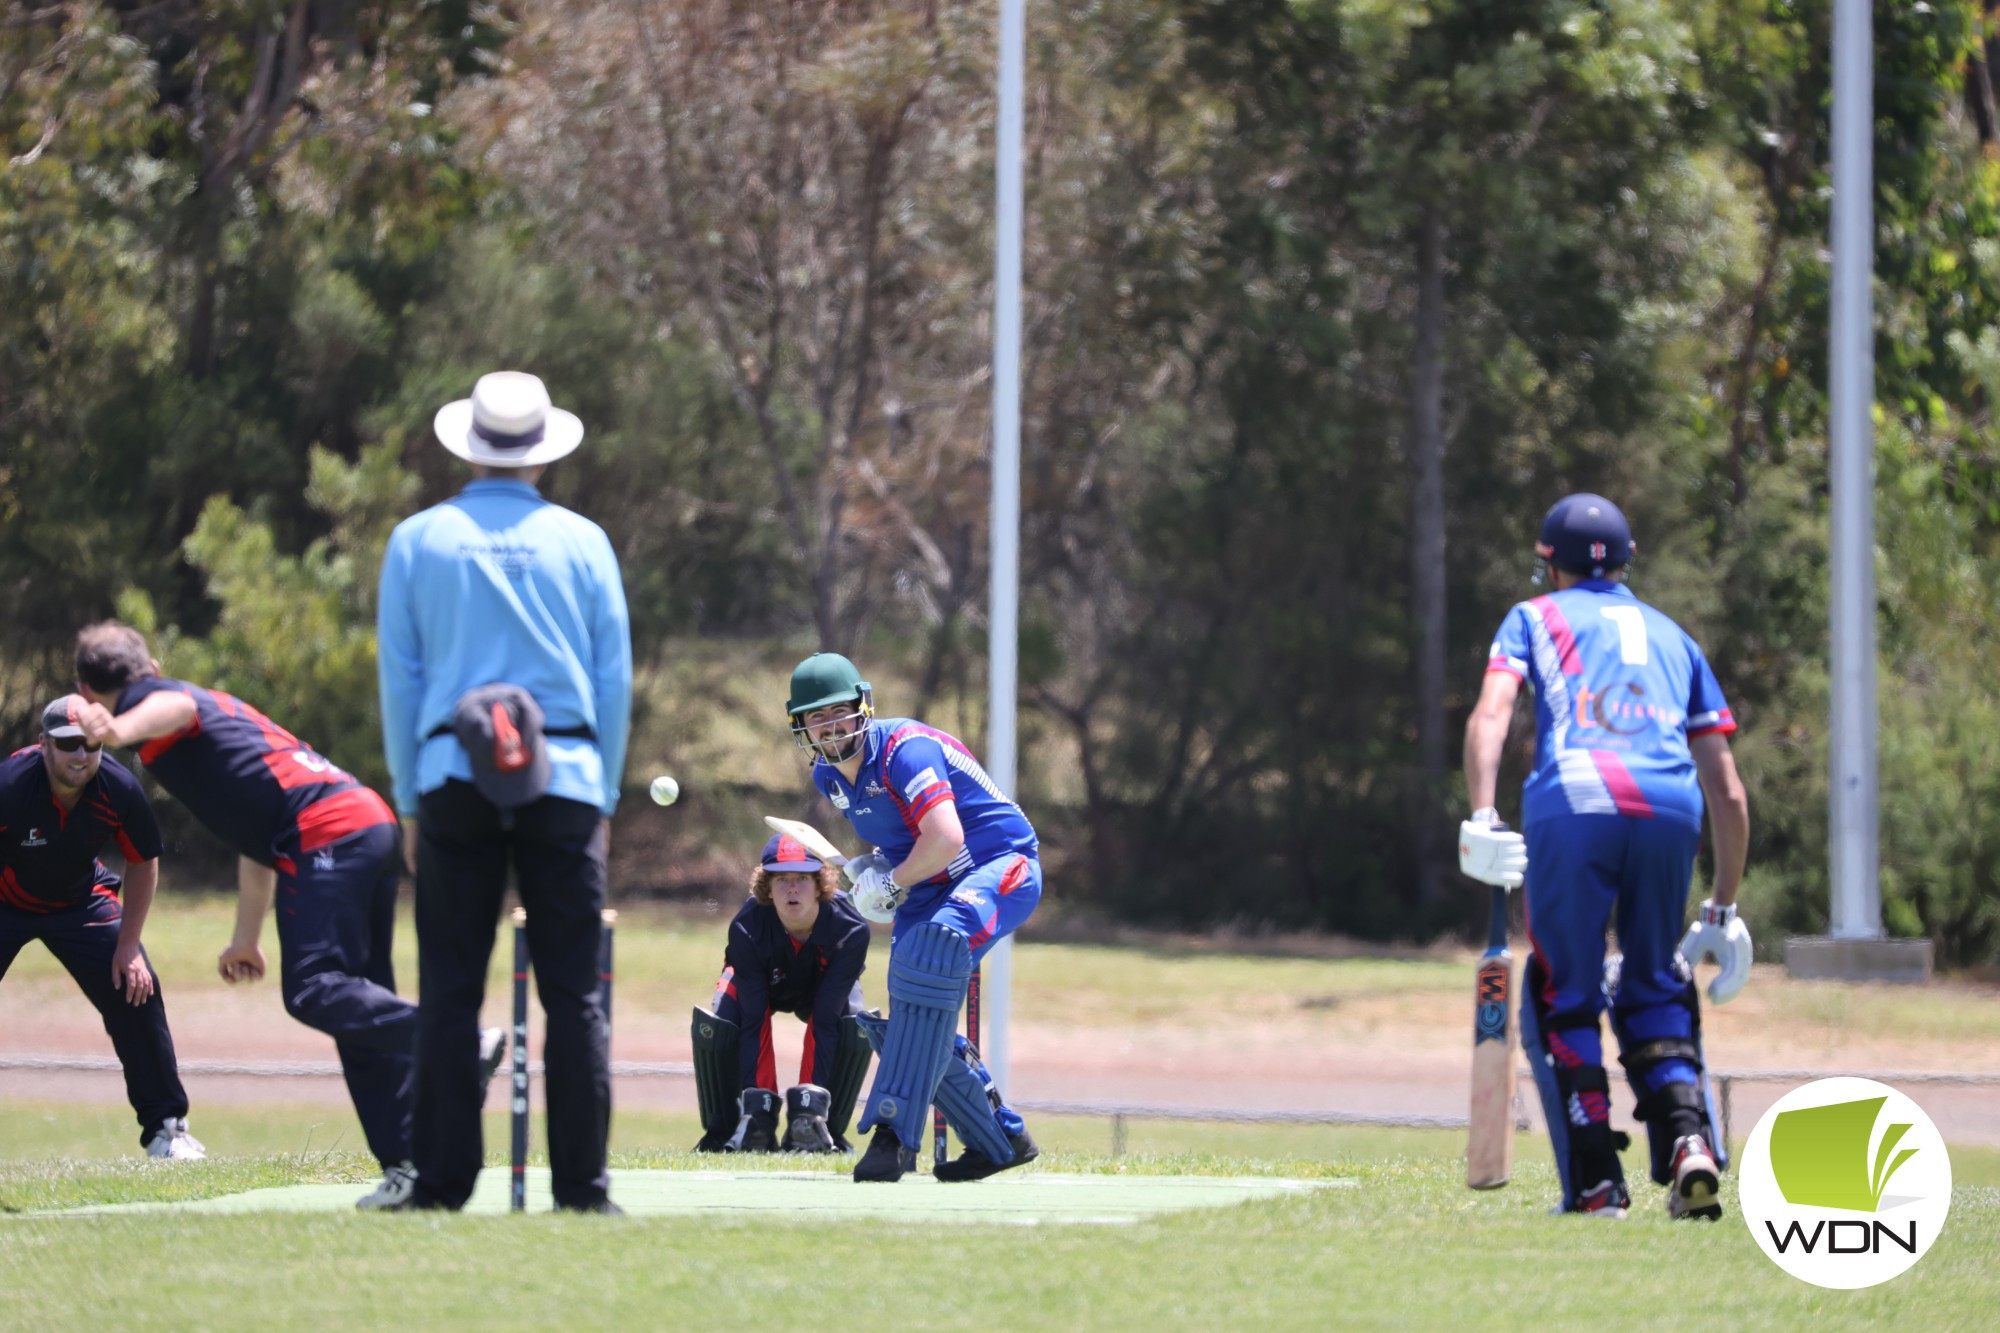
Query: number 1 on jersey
[(1631, 623)]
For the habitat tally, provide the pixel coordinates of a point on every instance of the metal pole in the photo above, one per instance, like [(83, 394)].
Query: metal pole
[(1003, 610), (1854, 849)]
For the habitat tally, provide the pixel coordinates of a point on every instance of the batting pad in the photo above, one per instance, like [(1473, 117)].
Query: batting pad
[(961, 1095), (929, 968)]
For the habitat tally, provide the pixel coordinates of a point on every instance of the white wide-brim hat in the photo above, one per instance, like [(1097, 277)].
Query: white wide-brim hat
[(508, 422)]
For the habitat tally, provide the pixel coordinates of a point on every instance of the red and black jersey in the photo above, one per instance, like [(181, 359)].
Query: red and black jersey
[(255, 785), (48, 855), (770, 972)]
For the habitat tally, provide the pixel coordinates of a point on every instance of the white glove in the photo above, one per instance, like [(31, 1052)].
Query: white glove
[(1490, 852), (1720, 934), (876, 894)]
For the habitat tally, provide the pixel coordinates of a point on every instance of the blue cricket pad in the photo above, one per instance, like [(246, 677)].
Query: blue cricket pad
[(929, 967), (1661, 1045), (966, 1096), (1554, 1113)]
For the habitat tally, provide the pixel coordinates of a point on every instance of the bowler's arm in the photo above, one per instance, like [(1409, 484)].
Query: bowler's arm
[(162, 713)]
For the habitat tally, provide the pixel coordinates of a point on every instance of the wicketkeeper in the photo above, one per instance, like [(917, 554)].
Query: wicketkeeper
[(797, 946), (955, 868), (1631, 733)]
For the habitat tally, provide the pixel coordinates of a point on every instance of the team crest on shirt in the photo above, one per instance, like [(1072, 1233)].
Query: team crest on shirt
[(323, 859), (839, 801), (875, 788)]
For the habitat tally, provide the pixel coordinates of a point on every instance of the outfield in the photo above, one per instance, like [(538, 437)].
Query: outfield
[(1397, 1240)]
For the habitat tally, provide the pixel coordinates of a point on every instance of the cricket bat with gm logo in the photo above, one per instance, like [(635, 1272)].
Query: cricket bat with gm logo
[(1489, 1151)]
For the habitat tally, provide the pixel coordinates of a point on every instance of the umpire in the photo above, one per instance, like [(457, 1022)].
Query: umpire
[(506, 672)]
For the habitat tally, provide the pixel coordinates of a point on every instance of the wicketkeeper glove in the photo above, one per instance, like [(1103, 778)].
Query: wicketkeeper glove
[(757, 1131), (1490, 852), (876, 894), (806, 1107), (1720, 934)]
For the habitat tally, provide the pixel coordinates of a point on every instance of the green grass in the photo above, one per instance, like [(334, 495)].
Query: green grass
[(1409, 1247)]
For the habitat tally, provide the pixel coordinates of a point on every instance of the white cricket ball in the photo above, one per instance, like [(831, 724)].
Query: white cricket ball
[(665, 790)]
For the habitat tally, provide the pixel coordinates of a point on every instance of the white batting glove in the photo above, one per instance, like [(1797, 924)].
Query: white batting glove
[(875, 894), (1720, 934), (1490, 852)]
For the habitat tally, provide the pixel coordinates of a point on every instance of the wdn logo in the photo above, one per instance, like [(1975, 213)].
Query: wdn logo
[(1846, 1183)]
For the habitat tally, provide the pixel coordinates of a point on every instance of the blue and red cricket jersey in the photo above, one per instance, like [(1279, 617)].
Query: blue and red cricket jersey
[(48, 855), (907, 770), (254, 784), (1619, 689)]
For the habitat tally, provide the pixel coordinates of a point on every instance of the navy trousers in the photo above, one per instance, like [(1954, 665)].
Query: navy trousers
[(336, 911), (464, 849), (83, 939)]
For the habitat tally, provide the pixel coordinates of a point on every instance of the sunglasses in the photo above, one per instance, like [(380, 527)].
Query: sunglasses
[(71, 744)]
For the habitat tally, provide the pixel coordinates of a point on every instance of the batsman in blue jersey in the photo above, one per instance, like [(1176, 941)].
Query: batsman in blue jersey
[(956, 869), (1631, 734)]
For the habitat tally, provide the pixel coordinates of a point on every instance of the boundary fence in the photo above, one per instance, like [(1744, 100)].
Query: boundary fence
[(1118, 1113)]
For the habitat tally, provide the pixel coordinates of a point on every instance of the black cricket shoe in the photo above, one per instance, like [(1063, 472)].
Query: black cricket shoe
[(886, 1159), (602, 1208), (973, 1164)]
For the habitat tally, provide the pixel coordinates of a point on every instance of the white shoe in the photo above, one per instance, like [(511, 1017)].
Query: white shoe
[(397, 1183), (173, 1142), (492, 1052), (1696, 1191)]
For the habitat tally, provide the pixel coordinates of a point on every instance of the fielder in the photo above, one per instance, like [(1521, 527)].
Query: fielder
[(307, 836), (798, 946), (955, 868), (1631, 734), (61, 801)]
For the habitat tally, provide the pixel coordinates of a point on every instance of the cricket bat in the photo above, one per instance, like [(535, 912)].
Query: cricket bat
[(807, 837), (1489, 1150)]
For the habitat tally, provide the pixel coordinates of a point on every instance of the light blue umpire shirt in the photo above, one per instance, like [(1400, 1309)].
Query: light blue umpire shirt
[(500, 584)]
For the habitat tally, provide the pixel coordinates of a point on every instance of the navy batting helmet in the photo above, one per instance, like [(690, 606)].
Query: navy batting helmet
[(1585, 534)]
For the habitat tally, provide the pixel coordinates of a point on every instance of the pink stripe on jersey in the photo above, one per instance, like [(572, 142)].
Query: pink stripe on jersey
[(1618, 780), (1560, 636)]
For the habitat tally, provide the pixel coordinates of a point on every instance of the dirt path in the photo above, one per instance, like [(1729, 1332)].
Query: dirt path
[(1390, 1055)]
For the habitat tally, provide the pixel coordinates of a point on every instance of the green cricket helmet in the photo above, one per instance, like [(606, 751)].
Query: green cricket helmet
[(827, 680)]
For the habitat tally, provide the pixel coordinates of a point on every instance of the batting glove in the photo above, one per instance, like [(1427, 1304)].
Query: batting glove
[(1490, 852), (875, 894), (1720, 934)]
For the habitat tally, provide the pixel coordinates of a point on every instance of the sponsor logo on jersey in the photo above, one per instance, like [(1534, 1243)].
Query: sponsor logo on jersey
[(34, 839), (839, 801), (323, 859), (919, 784)]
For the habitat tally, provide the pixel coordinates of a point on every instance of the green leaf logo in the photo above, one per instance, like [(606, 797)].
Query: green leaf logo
[(1820, 1155)]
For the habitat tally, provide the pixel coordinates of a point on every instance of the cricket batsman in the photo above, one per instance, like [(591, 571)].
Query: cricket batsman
[(955, 867), (1631, 734)]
